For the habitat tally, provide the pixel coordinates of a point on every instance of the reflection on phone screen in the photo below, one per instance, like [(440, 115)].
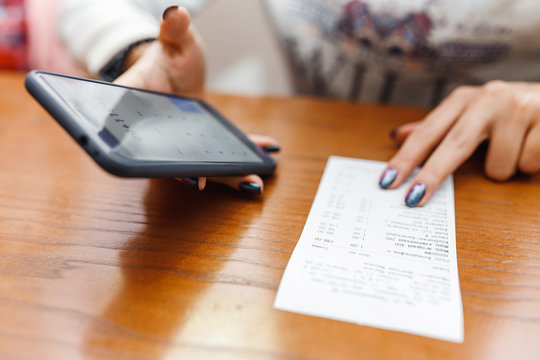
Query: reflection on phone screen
[(152, 127)]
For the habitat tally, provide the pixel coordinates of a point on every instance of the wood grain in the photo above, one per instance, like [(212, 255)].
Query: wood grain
[(94, 266)]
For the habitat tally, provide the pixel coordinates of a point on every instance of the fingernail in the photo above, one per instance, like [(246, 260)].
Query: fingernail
[(271, 148), (193, 182), (168, 10), (415, 195), (250, 187), (393, 132), (388, 178)]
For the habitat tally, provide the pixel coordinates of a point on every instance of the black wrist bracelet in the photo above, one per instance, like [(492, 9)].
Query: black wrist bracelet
[(116, 66)]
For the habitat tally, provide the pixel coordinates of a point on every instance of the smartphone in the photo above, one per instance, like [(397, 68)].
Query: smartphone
[(139, 133)]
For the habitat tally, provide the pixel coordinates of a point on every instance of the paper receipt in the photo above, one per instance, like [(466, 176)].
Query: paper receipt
[(367, 258)]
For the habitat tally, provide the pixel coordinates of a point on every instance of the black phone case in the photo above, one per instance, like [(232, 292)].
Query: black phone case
[(125, 167)]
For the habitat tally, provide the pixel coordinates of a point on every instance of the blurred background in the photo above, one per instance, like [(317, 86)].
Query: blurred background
[(243, 55)]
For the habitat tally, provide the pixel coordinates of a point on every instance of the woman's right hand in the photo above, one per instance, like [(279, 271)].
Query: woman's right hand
[(505, 113)]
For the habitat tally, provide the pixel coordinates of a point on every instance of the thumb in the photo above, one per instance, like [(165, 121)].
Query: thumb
[(174, 31)]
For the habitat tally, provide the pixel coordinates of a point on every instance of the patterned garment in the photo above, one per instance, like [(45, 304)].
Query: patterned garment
[(13, 39), (406, 51)]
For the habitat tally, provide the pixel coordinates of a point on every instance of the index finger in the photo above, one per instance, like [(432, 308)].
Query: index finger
[(458, 145), (425, 137)]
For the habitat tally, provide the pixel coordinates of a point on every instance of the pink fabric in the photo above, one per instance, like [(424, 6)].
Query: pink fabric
[(12, 34), (45, 48)]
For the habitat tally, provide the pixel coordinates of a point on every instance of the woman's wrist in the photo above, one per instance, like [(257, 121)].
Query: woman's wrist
[(124, 59), (135, 53)]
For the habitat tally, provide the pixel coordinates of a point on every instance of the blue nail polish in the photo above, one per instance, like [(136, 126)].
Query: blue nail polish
[(271, 148), (415, 195), (168, 10), (393, 133), (194, 182), (388, 178), (250, 187)]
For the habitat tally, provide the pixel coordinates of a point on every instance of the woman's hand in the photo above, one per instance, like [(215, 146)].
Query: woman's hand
[(507, 114), (252, 184), (175, 64), (172, 64)]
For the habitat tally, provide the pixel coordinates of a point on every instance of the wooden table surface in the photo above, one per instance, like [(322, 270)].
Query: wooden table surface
[(94, 266)]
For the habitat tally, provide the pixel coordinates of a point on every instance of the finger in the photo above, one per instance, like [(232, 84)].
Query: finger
[(198, 183), (262, 140), (251, 184), (458, 145), (174, 31), (529, 161), (425, 137), (507, 139), (202, 183), (400, 133), (267, 143)]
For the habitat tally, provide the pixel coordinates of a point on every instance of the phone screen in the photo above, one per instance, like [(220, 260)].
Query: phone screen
[(150, 127)]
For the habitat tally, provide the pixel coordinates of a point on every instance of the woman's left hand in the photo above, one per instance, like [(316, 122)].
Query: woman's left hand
[(505, 113), (174, 63), (252, 184)]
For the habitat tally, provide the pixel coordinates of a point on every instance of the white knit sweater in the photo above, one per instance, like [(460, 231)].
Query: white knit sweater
[(397, 51)]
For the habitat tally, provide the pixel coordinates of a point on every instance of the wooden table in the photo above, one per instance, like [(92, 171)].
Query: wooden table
[(94, 266)]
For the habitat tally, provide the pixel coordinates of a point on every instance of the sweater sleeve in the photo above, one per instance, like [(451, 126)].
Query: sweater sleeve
[(94, 31)]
